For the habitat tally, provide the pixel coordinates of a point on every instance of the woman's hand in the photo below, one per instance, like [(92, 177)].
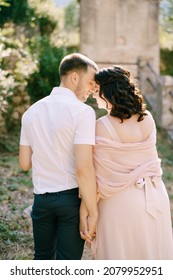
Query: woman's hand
[(87, 224)]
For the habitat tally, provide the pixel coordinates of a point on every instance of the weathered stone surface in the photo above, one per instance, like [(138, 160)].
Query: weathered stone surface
[(167, 107), (116, 31), (126, 32)]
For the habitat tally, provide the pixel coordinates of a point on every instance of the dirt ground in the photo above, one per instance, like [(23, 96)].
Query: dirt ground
[(87, 254)]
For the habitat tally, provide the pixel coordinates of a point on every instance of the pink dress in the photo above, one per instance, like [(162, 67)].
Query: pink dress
[(134, 211)]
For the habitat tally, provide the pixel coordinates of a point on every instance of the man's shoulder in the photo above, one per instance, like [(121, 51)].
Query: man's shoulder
[(86, 109), (36, 104), (31, 110), (86, 106)]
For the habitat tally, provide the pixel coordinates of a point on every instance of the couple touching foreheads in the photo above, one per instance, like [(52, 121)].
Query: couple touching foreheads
[(99, 181)]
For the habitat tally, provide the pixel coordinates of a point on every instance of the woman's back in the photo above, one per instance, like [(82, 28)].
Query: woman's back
[(128, 131)]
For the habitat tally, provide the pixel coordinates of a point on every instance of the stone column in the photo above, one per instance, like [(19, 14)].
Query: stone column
[(120, 31)]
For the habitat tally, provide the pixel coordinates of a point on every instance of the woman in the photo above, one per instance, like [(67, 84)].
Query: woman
[(134, 210)]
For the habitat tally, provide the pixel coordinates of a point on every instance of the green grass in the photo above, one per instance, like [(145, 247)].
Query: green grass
[(165, 151), (16, 240)]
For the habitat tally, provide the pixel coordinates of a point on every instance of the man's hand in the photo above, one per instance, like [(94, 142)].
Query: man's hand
[(87, 224)]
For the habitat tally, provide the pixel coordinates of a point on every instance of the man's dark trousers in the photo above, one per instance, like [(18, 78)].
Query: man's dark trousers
[(55, 218)]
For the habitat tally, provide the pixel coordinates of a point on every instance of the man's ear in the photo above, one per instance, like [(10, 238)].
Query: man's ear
[(74, 78)]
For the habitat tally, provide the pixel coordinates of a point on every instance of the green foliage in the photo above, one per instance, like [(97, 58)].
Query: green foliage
[(91, 101), (20, 12), (72, 15), (15, 196), (17, 10), (166, 15), (16, 64), (41, 82), (166, 62), (3, 3), (46, 25), (166, 24), (6, 234)]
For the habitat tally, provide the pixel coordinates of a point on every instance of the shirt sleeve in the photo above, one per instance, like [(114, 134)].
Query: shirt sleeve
[(23, 134), (85, 128)]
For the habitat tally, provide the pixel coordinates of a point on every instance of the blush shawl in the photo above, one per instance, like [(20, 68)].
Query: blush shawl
[(119, 165)]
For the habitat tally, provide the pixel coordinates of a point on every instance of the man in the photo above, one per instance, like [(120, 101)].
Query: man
[(57, 136)]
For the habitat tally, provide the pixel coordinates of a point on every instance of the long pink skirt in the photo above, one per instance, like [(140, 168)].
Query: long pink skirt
[(126, 231)]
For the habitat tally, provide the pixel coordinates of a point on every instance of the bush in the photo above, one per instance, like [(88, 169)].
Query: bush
[(40, 83), (166, 67), (15, 10)]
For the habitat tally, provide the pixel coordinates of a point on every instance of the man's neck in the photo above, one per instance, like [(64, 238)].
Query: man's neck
[(65, 85)]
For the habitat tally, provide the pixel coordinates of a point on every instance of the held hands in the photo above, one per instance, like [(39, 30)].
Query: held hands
[(87, 224)]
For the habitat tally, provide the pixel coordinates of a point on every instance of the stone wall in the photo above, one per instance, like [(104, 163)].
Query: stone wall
[(115, 31), (167, 102)]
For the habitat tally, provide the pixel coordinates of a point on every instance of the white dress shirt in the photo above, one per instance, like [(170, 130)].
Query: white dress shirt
[(51, 127)]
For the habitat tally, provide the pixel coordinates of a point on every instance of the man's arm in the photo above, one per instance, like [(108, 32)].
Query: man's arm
[(85, 175), (25, 154)]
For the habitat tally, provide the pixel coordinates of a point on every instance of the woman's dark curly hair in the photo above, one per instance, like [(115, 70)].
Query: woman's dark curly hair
[(117, 88)]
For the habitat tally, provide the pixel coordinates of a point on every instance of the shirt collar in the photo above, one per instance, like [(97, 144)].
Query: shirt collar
[(63, 91)]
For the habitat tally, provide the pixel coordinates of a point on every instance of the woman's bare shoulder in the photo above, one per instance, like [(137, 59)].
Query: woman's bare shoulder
[(101, 130), (147, 124), (149, 117)]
